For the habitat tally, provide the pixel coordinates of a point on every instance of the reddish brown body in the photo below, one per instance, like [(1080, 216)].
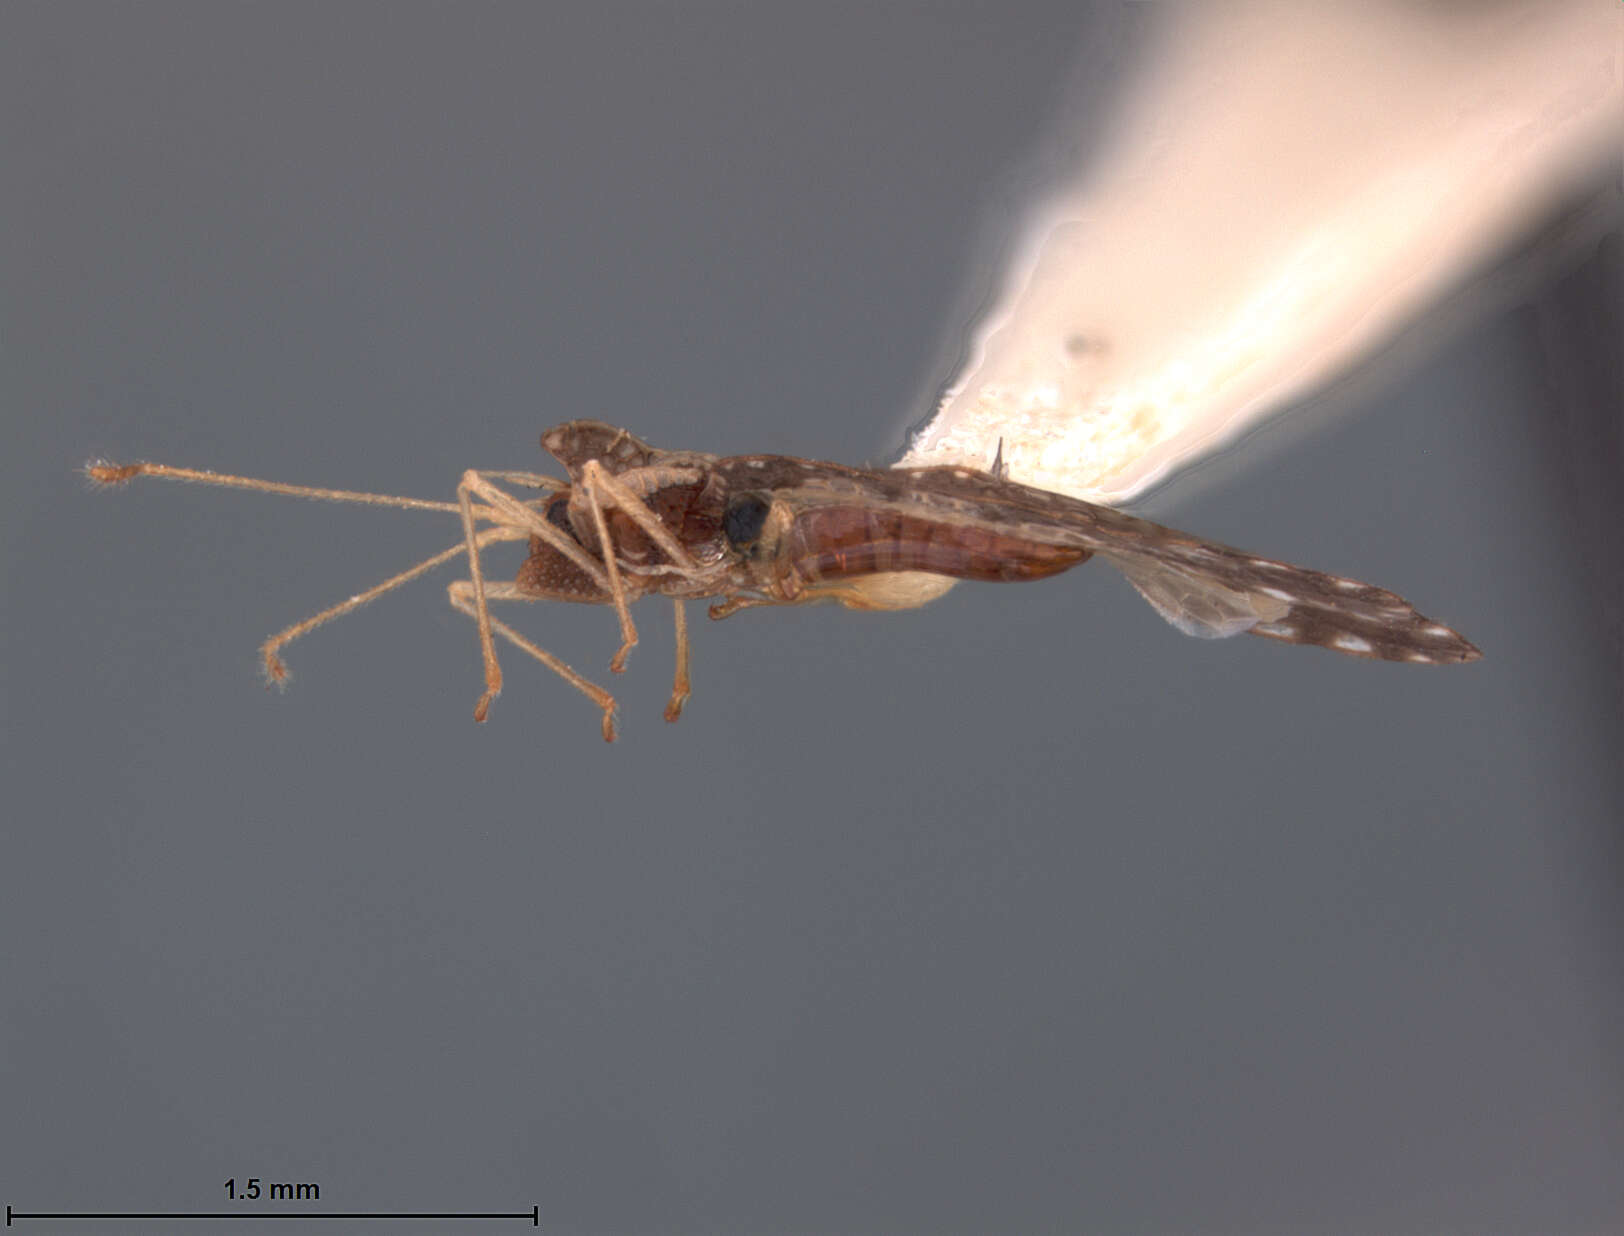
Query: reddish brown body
[(752, 530), (778, 530), (839, 542)]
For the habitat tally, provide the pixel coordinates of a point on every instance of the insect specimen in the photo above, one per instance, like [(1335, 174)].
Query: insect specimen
[(755, 530)]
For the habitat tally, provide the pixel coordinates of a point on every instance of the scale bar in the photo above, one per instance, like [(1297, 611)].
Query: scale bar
[(533, 1214)]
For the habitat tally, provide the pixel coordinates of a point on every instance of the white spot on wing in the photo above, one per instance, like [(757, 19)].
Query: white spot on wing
[(1352, 643)]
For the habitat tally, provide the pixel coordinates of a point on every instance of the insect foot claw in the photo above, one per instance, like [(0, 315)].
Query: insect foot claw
[(105, 472), (482, 708), (673, 709), (729, 606), (609, 724), (276, 672)]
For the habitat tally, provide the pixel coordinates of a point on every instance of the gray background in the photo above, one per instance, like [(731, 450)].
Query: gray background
[(1019, 913)]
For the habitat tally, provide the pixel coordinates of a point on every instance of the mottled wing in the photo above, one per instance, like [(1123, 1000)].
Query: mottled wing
[(1203, 588), (1195, 602), (1212, 591)]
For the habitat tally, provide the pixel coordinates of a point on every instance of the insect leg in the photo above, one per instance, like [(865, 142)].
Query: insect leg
[(592, 477), (277, 672), (851, 596), (597, 483), (464, 595), (482, 618), (523, 520), (680, 684), (731, 605), (507, 509)]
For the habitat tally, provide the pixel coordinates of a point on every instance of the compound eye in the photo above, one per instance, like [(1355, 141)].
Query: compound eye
[(743, 519), (558, 513)]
